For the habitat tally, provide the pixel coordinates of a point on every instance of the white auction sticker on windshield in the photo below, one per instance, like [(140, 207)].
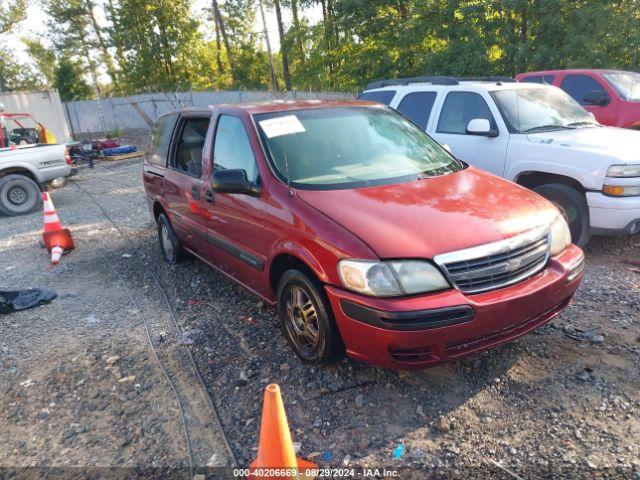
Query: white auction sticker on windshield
[(275, 127)]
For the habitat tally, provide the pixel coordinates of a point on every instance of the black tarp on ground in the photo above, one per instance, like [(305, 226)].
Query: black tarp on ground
[(23, 299)]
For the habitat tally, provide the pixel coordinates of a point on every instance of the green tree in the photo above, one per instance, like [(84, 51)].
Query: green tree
[(13, 74), (361, 40), (251, 70), (70, 82), (11, 13), (284, 46), (44, 59), (160, 44), (75, 31), (157, 43)]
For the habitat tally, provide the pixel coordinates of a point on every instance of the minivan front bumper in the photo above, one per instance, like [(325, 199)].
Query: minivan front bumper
[(422, 331)]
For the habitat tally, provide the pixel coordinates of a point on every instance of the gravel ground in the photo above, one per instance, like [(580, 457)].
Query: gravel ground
[(79, 384), (561, 402)]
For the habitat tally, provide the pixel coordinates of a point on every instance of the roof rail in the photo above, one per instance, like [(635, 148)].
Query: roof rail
[(487, 79), (407, 81), (437, 80)]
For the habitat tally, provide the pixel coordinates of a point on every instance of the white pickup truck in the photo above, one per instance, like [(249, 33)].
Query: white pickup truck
[(26, 170), (535, 135)]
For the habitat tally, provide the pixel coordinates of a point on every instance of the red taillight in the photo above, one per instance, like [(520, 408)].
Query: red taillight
[(67, 157)]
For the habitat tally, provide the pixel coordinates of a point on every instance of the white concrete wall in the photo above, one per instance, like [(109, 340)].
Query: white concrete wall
[(45, 107), (120, 114)]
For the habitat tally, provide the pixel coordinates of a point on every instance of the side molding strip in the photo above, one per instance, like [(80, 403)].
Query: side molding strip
[(246, 257)]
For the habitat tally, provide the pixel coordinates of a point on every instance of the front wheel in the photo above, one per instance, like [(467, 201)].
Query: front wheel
[(19, 195), (306, 319), (573, 206)]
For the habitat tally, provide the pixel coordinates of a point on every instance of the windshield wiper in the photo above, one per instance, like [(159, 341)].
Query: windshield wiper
[(578, 124), (548, 127)]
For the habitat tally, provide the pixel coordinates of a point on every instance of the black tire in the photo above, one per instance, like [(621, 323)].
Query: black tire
[(19, 195), (170, 247), (573, 206), (329, 347)]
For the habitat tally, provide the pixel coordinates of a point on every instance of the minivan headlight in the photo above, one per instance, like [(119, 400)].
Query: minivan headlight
[(391, 278), (624, 171), (560, 235)]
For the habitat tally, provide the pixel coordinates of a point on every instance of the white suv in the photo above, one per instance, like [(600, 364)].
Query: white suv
[(535, 135)]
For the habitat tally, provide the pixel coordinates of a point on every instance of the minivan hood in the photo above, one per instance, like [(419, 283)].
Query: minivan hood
[(423, 218), (618, 143)]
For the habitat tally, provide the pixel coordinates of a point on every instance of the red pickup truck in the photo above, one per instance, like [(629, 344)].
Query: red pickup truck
[(613, 96), (364, 231)]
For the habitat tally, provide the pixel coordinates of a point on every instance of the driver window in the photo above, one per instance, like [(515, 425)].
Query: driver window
[(232, 148), (459, 109)]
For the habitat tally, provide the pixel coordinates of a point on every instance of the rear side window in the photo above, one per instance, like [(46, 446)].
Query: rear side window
[(161, 138), (382, 96), (539, 79), (459, 109), (188, 154), (578, 85), (417, 106), (232, 148)]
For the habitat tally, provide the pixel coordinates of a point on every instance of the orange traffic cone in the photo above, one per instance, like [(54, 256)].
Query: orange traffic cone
[(275, 448), (55, 238)]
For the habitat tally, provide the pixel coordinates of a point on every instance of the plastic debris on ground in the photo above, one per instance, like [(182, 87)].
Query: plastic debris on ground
[(23, 299), (104, 143), (119, 150)]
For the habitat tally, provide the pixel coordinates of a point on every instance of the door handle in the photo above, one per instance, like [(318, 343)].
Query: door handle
[(209, 196), (156, 174), (195, 192)]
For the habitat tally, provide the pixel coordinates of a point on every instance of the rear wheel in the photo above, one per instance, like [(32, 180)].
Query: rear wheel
[(19, 195), (306, 318), (573, 206), (170, 246)]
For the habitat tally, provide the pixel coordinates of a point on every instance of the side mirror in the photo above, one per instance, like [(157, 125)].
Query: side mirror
[(481, 127), (233, 181), (597, 98)]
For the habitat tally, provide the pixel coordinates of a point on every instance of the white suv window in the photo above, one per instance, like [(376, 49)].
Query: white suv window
[(459, 109), (382, 96), (417, 106)]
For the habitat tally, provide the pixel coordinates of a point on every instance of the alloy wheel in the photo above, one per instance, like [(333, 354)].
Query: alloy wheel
[(302, 321)]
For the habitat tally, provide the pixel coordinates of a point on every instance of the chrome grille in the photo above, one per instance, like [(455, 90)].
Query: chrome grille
[(495, 265)]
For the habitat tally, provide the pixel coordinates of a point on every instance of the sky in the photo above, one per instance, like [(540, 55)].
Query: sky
[(35, 23)]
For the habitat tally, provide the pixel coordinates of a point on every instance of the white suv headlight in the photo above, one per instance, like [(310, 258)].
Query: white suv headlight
[(391, 278), (624, 171), (560, 235)]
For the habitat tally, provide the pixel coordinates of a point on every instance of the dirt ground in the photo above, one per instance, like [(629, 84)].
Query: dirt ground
[(563, 401)]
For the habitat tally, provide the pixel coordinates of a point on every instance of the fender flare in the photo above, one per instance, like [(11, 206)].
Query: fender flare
[(159, 201), (13, 166), (583, 177), (305, 255)]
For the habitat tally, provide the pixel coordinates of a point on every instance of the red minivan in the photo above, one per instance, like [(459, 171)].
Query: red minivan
[(613, 96), (368, 235)]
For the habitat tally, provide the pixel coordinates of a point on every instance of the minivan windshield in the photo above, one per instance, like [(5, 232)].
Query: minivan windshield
[(349, 147), (530, 110), (627, 84)]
